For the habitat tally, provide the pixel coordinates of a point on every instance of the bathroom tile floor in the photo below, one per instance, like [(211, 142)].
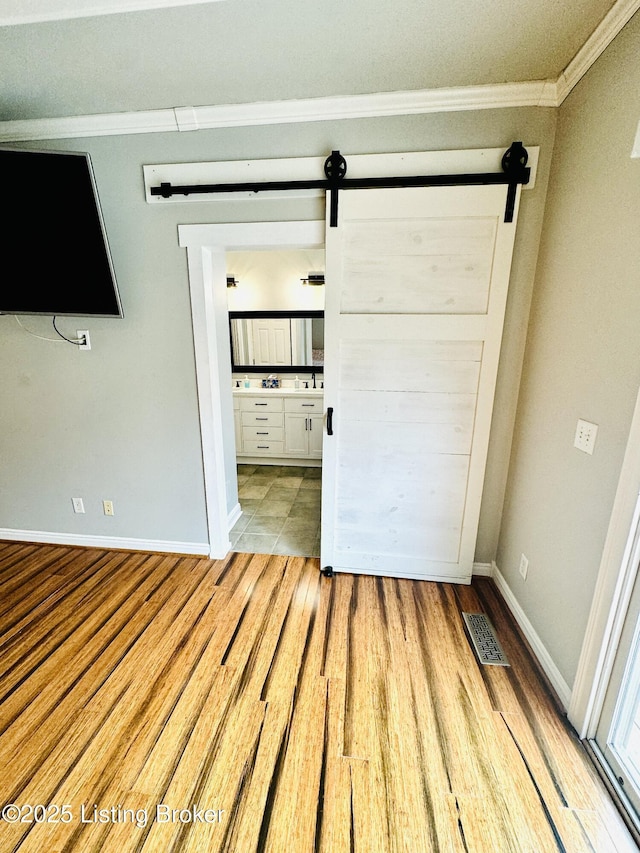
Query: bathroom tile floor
[(280, 510)]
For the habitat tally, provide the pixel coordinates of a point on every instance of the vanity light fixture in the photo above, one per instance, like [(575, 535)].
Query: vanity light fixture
[(314, 278), (232, 281)]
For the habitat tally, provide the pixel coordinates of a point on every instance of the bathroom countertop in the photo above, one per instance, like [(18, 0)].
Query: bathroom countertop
[(283, 392)]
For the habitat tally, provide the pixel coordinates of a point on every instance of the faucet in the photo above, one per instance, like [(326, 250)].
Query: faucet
[(313, 377)]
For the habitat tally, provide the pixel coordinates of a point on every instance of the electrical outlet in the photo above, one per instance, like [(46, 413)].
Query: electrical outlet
[(585, 436), (78, 504), (108, 507), (524, 566), (83, 335)]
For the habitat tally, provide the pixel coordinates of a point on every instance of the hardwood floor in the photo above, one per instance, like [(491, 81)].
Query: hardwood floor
[(273, 710)]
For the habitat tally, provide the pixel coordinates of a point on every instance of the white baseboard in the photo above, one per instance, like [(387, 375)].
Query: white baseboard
[(483, 570), (234, 515), (544, 658), (116, 543)]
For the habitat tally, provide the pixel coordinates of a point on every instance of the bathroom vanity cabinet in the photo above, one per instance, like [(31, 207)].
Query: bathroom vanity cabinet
[(281, 425)]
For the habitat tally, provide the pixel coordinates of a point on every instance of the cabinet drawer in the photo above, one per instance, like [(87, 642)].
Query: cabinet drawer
[(303, 405), (261, 404), (263, 434), (258, 418), (263, 448)]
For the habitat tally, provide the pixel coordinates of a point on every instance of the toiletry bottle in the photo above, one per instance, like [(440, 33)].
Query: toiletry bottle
[(296, 384), (246, 382)]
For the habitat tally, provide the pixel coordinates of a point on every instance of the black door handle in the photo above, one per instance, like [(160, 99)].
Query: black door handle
[(330, 420)]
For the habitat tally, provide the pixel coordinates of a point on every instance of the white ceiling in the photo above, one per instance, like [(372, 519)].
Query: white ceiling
[(239, 52)]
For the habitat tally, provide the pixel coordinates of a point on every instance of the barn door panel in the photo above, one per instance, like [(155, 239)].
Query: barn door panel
[(417, 281)]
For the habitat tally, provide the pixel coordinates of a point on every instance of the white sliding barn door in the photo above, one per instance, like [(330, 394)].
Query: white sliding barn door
[(417, 281)]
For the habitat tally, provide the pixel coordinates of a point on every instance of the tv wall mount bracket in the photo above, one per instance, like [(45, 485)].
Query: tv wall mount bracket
[(514, 171)]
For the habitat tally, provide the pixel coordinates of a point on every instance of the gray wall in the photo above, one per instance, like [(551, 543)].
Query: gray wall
[(583, 355), (121, 422)]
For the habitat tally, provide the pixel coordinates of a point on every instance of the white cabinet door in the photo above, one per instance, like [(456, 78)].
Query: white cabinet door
[(303, 435), (416, 285), (303, 426), (315, 436), (295, 434)]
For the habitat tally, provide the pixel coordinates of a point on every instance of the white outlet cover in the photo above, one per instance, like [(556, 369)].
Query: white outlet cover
[(585, 437), (524, 566)]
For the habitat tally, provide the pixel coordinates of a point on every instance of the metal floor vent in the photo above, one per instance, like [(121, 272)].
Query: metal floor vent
[(485, 642)]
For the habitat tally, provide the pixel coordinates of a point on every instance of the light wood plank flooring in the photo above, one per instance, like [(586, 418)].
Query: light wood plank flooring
[(164, 703)]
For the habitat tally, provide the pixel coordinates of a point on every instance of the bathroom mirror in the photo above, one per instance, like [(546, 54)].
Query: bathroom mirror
[(276, 341)]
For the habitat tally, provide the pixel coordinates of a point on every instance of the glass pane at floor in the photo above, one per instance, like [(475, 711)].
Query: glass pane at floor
[(280, 510)]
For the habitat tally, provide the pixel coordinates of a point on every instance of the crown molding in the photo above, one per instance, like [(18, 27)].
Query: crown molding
[(495, 96), (618, 16), (532, 93), (73, 127), (60, 10), (539, 93)]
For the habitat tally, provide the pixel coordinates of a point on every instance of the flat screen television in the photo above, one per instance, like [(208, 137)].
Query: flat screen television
[(53, 244)]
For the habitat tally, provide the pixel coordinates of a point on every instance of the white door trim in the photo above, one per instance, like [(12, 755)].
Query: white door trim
[(611, 595), (206, 246)]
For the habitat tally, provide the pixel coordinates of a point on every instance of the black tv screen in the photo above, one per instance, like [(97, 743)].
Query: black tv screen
[(53, 245)]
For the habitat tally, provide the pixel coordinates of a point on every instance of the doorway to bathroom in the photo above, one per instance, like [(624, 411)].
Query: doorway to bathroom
[(207, 249), (276, 304), (280, 510)]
